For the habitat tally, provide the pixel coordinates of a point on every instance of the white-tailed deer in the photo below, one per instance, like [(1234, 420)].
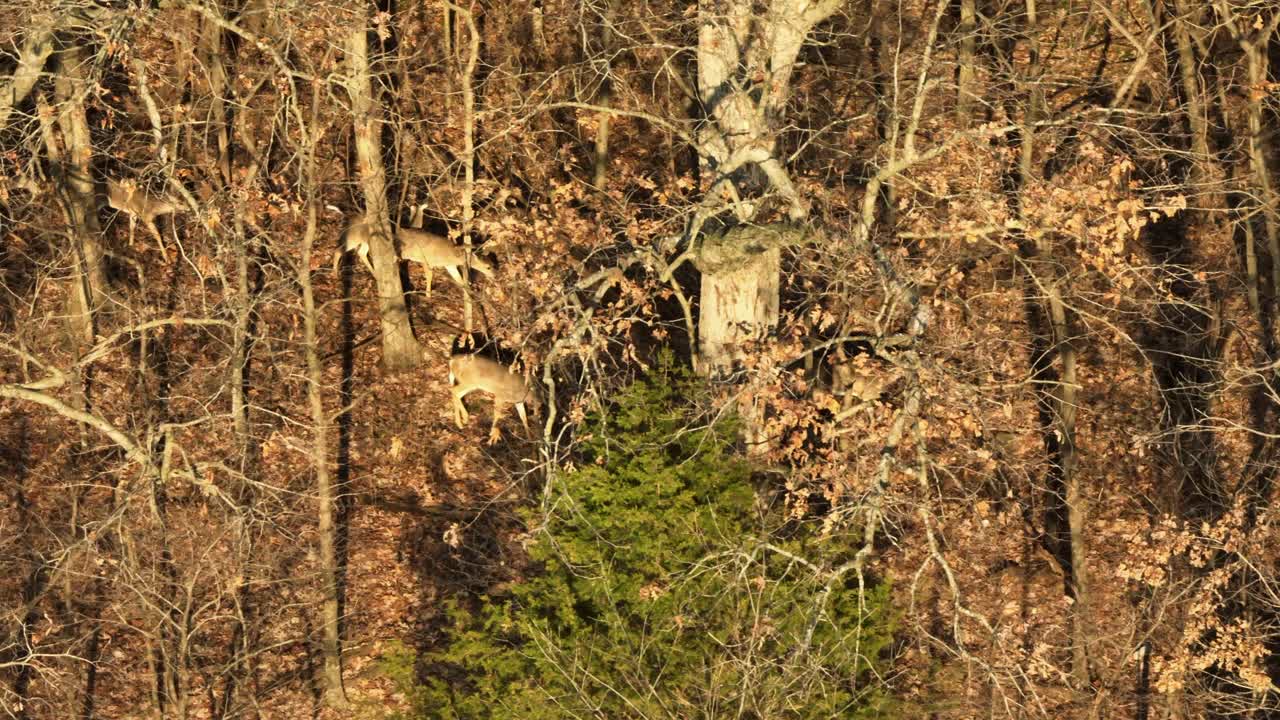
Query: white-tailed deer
[(859, 383), (355, 238), (435, 251), (128, 198), (430, 250), (468, 372)]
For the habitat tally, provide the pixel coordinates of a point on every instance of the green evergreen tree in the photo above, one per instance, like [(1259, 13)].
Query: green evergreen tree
[(663, 593)]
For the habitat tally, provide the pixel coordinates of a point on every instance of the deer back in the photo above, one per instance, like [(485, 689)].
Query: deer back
[(482, 373), (428, 248), (136, 201), (119, 196), (356, 236)]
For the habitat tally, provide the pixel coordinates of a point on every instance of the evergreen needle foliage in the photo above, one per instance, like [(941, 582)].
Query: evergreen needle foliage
[(663, 593)]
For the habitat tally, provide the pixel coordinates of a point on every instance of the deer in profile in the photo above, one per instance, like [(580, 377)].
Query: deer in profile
[(858, 382), (469, 372), (428, 249), (128, 198)]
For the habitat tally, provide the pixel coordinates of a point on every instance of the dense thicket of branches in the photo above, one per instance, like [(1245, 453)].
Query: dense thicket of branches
[(992, 284)]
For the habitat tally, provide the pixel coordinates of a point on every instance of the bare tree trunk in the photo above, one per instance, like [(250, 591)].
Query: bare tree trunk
[(1065, 394), (966, 90), (1196, 110), (74, 182), (734, 42), (335, 694), (447, 40), (1254, 43), (741, 277), (882, 50), (239, 648), (468, 159), (600, 175), (604, 98), (211, 50), (741, 271), (400, 350), (35, 51), (750, 290)]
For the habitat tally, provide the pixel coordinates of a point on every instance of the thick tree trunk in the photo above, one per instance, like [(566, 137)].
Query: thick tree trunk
[(36, 49), (1256, 41), (736, 48), (739, 304), (212, 57), (74, 184), (1065, 394), (1255, 50), (741, 269), (600, 175), (400, 350), (1053, 364), (883, 52), (1066, 397)]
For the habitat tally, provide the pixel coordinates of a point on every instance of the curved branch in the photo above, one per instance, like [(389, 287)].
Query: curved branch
[(131, 449), (31, 59)]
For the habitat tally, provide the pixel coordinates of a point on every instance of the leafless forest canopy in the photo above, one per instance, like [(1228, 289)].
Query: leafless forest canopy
[(991, 287)]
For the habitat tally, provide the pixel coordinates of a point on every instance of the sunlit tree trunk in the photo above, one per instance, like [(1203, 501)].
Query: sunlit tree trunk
[(604, 96), (400, 350), (1185, 15), (468, 159), (335, 694), (1054, 362), (31, 58), (1253, 39), (212, 56), (740, 276), (1065, 394), (966, 85), (74, 184)]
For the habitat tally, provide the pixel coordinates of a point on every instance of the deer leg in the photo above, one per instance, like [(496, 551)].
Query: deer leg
[(155, 232), (494, 433), (524, 418), (133, 225), (453, 273), (430, 275), (460, 415)]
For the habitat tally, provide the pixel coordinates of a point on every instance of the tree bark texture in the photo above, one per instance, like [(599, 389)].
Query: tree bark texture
[(74, 182), (737, 48), (400, 350)]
